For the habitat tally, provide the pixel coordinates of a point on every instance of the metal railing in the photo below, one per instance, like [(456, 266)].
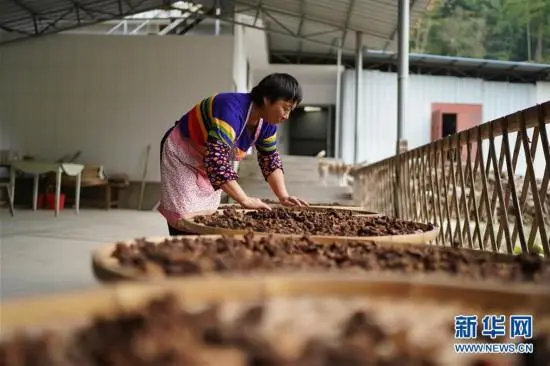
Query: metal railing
[(486, 187)]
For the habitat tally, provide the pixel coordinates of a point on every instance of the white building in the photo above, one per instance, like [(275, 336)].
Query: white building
[(477, 90)]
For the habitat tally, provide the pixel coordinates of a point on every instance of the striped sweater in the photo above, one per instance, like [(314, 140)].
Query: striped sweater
[(218, 124), (223, 117)]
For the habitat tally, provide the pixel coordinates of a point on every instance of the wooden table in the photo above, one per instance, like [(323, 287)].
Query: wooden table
[(37, 168)]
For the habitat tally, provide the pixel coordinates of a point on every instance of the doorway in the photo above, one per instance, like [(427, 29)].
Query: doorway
[(310, 130), (449, 124)]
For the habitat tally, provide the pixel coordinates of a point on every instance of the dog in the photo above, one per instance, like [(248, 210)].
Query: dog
[(331, 167)]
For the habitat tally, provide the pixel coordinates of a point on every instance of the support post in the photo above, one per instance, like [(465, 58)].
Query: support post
[(337, 112), (358, 90), (217, 22), (402, 89)]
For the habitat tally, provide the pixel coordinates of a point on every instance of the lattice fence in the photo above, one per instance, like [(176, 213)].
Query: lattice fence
[(486, 187)]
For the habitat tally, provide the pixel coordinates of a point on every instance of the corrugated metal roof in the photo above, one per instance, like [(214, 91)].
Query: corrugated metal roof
[(320, 24), (489, 69), (27, 18), (315, 25), (476, 63)]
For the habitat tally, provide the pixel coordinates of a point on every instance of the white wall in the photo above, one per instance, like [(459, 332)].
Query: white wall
[(255, 43), (106, 96), (378, 130), (543, 91), (240, 74)]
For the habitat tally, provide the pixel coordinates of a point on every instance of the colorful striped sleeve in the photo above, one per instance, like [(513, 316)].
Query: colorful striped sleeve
[(267, 141), (268, 156), (225, 120)]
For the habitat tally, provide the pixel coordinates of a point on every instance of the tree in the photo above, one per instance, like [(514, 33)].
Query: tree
[(514, 30), (534, 17)]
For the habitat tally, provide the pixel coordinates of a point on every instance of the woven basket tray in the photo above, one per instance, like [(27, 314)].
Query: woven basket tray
[(188, 224), (106, 268)]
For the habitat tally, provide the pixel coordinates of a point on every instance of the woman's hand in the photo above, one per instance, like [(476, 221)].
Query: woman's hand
[(292, 201), (254, 204), (234, 190)]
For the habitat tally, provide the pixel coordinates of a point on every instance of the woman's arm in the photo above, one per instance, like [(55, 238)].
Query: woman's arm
[(276, 181), (234, 190), (222, 133), (271, 165)]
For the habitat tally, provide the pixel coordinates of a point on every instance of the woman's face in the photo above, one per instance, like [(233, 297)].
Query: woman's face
[(278, 111)]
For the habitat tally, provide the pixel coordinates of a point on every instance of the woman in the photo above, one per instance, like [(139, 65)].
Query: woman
[(197, 153)]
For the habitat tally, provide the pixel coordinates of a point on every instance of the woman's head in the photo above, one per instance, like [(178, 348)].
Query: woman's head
[(276, 96)]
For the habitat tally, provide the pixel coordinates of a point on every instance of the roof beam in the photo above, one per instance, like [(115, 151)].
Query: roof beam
[(278, 22), (10, 30), (348, 19), (130, 5), (54, 22), (78, 6), (283, 58), (24, 7), (33, 14), (171, 26), (257, 12), (300, 26), (310, 35), (120, 8), (310, 58)]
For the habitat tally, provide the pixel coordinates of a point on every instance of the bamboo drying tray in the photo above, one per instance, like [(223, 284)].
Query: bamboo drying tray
[(312, 206), (106, 268), (188, 224), (73, 308)]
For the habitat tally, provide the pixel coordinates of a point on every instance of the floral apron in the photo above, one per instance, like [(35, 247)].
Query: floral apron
[(184, 186)]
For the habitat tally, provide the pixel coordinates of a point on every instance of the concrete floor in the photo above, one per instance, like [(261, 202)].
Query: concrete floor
[(42, 254)]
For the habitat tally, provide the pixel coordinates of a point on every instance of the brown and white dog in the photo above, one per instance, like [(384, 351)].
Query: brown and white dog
[(330, 167)]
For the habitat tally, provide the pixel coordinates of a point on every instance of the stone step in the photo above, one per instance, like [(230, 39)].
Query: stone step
[(301, 178), (253, 167), (289, 177), (317, 195), (297, 168), (288, 159)]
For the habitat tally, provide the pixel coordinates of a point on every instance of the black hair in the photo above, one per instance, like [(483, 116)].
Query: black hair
[(277, 86)]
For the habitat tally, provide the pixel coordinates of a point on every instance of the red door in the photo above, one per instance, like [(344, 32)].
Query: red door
[(437, 126), (468, 116), (465, 121)]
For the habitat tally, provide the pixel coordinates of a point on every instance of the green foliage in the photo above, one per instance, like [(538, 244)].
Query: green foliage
[(511, 30)]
